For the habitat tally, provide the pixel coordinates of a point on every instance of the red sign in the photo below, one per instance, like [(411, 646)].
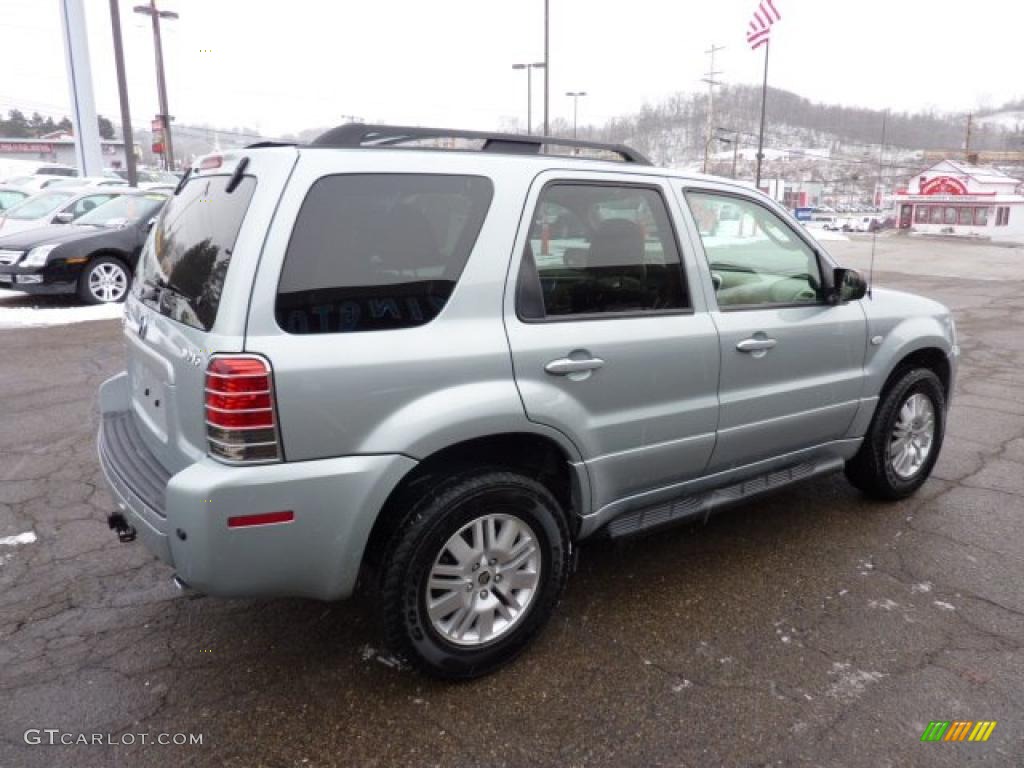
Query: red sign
[(18, 146), (157, 126), (943, 185)]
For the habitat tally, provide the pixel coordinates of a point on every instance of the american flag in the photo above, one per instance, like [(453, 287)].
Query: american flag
[(761, 25)]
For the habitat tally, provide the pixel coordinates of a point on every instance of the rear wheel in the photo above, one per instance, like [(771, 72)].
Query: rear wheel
[(905, 437), (474, 573), (104, 281)]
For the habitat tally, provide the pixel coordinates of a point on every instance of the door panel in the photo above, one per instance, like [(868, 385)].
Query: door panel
[(802, 391), (635, 363), (791, 363)]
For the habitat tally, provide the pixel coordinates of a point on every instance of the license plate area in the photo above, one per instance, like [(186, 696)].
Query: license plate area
[(149, 397)]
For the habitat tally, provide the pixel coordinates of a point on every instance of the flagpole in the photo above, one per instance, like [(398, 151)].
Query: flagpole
[(764, 99)]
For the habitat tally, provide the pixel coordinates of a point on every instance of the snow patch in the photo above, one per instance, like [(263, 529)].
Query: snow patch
[(924, 586), (28, 537), (42, 316), (850, 684), (885, 605), (944, 606), (368, 653), (680, 687)]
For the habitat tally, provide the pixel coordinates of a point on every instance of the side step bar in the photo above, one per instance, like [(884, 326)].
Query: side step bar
[(701, 505)]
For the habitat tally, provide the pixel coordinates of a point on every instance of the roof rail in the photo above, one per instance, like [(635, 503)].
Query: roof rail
[(361, 135)]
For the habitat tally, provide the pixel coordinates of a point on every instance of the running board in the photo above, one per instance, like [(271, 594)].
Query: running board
[(701, 505)]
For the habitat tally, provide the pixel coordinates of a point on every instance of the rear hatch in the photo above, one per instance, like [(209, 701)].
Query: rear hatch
[(191, 293)]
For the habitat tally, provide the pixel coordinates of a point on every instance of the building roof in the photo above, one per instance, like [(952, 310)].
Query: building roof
[(982, 174)]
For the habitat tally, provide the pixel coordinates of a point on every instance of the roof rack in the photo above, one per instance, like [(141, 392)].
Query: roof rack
[(361, 135)]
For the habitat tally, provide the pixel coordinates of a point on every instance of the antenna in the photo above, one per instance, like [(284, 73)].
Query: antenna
[(878, 187)]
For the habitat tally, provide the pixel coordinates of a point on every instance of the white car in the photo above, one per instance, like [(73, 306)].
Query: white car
[(88, 181), (56, 206), (35, 182)]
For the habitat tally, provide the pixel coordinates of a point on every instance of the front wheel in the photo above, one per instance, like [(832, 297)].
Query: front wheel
[(104, 281), (474, 573), (905, 437)]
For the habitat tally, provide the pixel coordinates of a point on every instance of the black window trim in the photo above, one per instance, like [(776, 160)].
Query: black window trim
[(592, 316), (825, 264), (458, 278)]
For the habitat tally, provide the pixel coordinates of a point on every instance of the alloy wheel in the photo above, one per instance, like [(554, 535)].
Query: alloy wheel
[(108, 282), (912, 436), (484, 580)]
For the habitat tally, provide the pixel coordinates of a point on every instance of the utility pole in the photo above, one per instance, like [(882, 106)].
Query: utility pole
[(710, 80), (967, 144), (161, 84), (122, 92), (547, 69)]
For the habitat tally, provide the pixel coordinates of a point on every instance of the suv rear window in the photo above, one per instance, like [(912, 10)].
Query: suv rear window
[(182, 269), (376, 252)]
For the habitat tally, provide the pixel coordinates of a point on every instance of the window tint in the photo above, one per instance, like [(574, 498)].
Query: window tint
[(755, 258), (378, 252), (184, 262), (596, 249)]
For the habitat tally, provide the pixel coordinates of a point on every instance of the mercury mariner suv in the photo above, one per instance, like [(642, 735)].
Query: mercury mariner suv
[(431, 362)]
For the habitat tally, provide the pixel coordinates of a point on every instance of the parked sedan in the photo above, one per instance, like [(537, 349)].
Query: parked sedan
[(54, 206), (82, 182), (94, 257)]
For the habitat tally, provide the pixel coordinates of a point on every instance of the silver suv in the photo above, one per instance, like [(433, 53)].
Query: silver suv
[(432, 362)]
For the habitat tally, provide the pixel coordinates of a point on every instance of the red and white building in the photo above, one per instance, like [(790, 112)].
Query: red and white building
[(953, 198)]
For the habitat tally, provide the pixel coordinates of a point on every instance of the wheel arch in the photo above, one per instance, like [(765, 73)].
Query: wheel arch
[(536, 455)]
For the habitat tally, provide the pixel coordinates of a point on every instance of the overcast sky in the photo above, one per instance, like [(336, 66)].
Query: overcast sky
[(285, 66)]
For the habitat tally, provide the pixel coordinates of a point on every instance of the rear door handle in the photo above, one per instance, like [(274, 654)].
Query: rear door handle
[(755, 345), (566, 365)]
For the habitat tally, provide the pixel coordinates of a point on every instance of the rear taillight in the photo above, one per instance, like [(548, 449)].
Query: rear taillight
[(241, 422)]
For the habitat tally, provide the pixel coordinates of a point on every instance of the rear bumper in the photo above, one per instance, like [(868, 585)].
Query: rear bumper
[(317, 555)]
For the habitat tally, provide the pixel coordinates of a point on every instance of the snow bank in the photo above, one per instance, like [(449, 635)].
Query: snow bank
[(18, 310)]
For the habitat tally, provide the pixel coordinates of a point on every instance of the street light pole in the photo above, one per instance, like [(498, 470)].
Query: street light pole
[(161, 84), (575, 107), (547, 69), (529, 91)]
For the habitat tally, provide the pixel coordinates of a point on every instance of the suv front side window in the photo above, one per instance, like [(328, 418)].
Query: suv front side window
[(755, 258), (598, 249)]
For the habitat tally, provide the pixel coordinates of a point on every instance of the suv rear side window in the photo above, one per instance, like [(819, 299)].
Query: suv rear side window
[(596, 249), (183, 266), (373, 252)]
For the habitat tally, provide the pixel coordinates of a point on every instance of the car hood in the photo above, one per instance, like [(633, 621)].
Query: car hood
[(53, 233)]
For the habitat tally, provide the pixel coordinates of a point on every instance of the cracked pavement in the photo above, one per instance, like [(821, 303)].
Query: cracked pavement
[(810, 627)]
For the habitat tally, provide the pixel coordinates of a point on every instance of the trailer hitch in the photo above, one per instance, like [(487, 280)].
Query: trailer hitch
[(125, 531)]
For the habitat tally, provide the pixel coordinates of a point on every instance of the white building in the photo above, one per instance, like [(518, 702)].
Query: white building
[(953, 198), (60, 148)]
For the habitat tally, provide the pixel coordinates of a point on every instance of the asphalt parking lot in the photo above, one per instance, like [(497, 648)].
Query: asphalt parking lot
[(811, 627)]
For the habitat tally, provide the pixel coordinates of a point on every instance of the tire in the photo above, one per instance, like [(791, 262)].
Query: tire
[(105, 280), (875, 470), (420, 556)]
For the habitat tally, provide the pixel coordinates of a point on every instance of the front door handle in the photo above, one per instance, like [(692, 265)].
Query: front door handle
[(566, 365), (756, 345)]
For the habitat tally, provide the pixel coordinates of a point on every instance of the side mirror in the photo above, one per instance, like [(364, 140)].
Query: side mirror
[(65, 217), (150, 223), (847, 285)]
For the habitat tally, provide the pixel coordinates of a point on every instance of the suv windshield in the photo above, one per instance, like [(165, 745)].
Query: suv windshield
[(39, 206), (183, 266), (126, 209)]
